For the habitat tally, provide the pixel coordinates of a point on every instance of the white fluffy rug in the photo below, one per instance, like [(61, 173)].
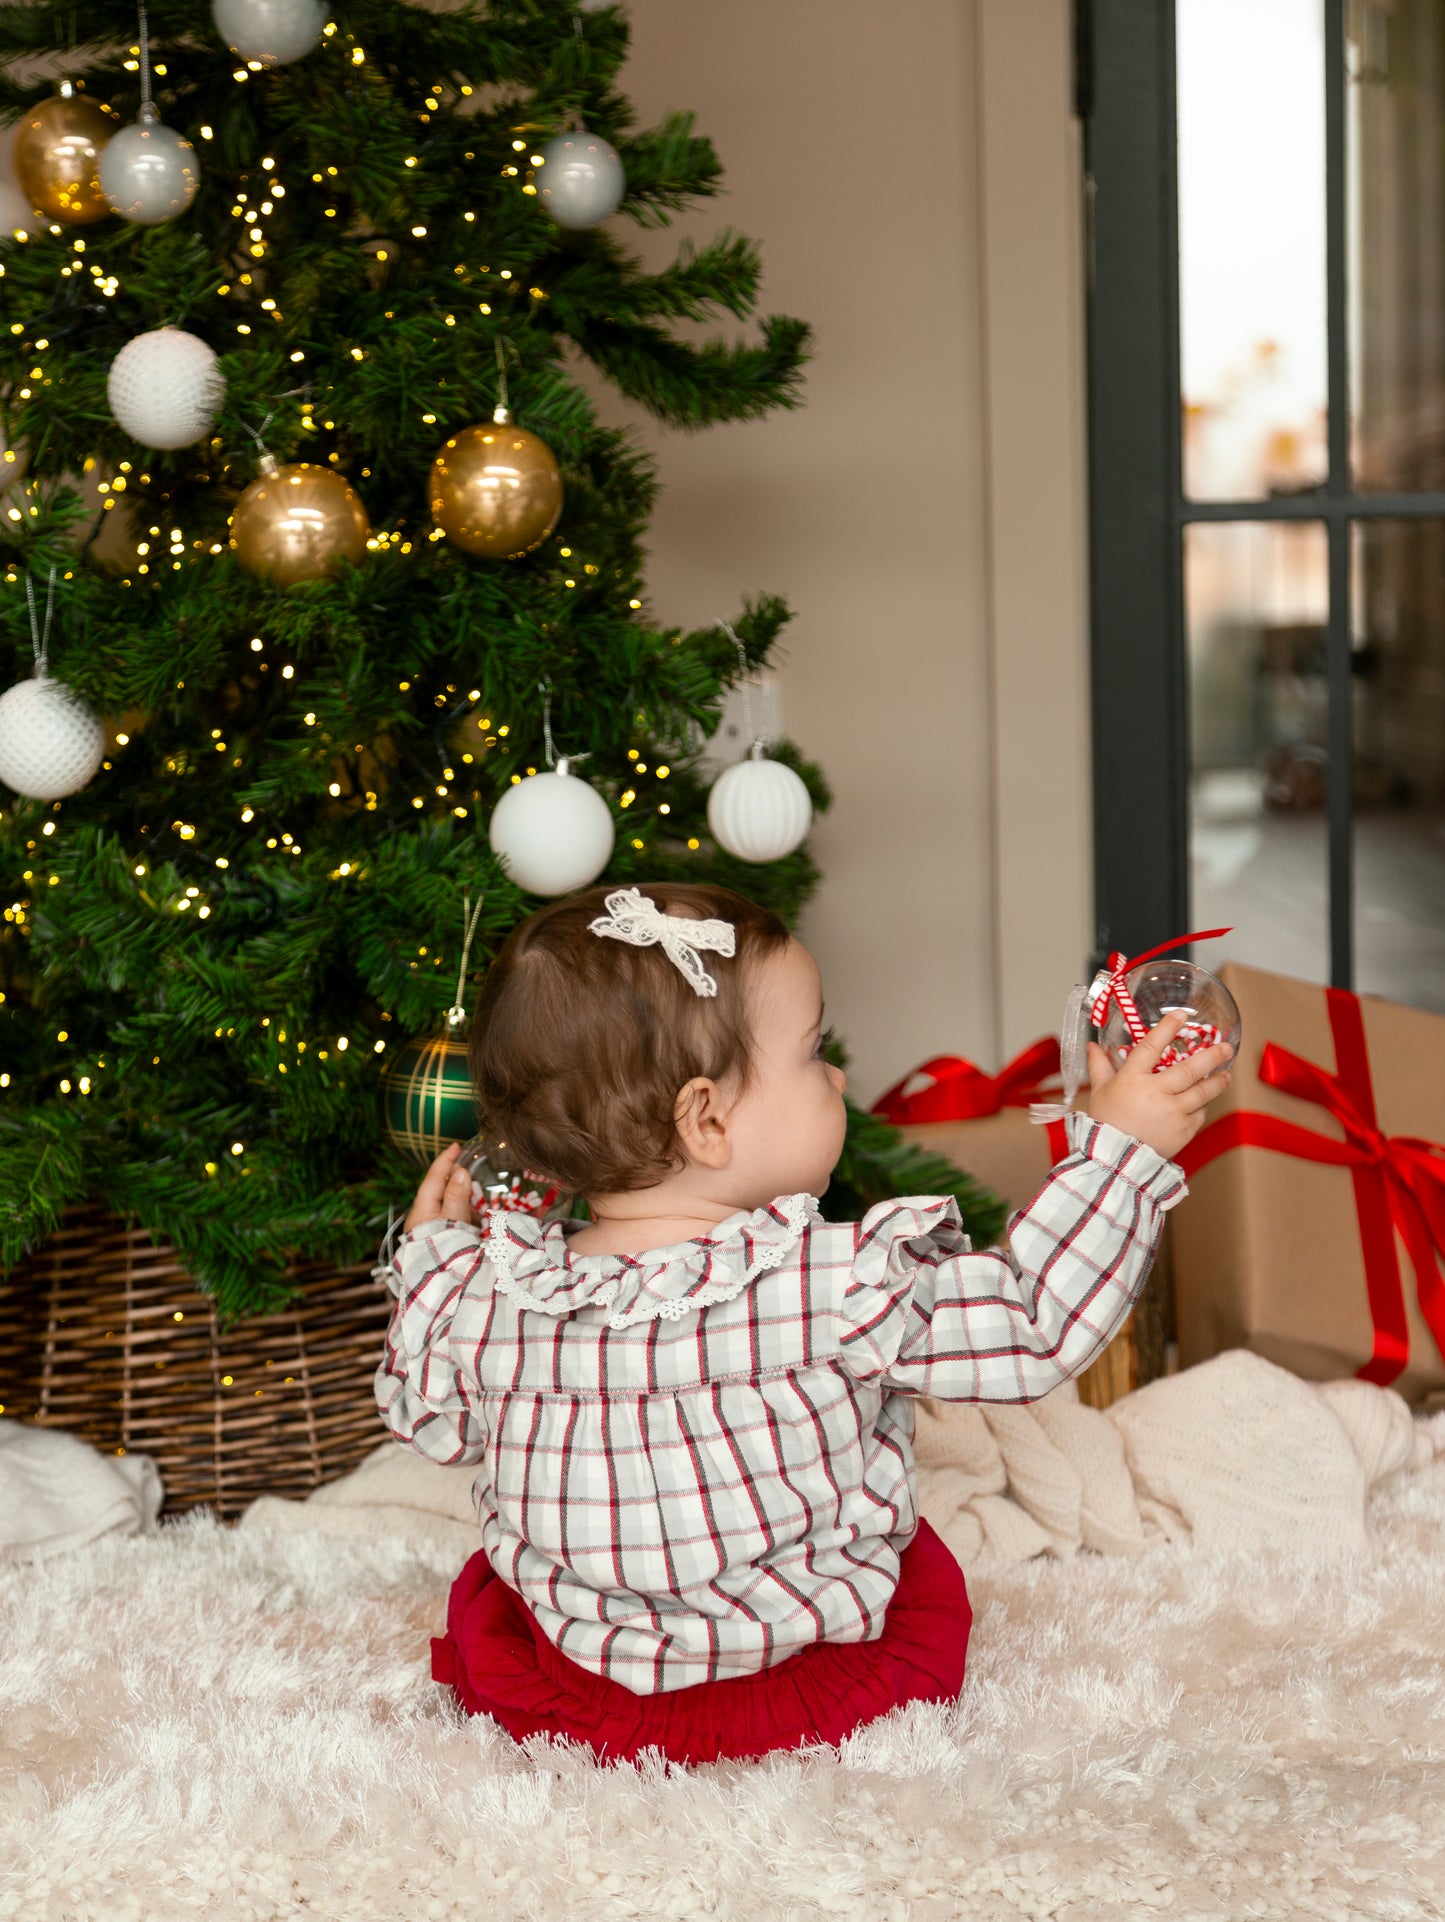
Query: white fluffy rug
[(241, 1724)]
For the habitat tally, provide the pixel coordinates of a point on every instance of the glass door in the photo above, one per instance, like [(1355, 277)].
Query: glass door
[(1267, 394)]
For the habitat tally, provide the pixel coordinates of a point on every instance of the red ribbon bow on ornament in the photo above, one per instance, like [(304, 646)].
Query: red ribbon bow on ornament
[(1399, 1179), (1109, 984), (961, 1091)]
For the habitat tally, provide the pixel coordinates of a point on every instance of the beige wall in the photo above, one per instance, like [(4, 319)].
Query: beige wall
[(910, 173)]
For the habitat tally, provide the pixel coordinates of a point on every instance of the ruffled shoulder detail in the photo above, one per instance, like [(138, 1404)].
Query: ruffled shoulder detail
[(533, 1266), (917, 1228)]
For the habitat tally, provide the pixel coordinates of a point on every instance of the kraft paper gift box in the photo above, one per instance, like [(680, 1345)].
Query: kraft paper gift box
[(980, 1122), (1315, 1222)]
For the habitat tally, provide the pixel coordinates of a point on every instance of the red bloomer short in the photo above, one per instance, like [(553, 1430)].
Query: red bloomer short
[(500, 1663)]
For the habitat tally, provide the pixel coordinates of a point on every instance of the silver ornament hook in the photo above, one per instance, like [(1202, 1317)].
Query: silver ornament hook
[(39, 643), (501, 413)]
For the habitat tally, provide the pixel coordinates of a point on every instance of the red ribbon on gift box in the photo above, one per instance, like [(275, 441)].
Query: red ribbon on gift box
[(961, 1091), (1399, 1179)]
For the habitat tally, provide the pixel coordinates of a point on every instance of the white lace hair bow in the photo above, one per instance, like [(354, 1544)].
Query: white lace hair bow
[(631, 917)]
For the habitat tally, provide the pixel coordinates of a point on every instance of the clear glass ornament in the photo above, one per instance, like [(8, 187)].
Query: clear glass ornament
[(1161, 987), (500, 1184)]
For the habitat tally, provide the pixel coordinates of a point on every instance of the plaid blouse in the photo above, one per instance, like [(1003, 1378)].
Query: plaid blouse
[(696, 1460)]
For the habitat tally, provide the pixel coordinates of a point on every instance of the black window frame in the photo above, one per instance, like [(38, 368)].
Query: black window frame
[(1138, 513)]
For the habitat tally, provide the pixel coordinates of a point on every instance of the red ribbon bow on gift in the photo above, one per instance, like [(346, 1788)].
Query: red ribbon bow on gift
[(961, 1091), (1399, 1179)]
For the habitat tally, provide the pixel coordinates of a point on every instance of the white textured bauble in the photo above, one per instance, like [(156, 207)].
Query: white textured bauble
[(552, 833), (580, 181), (50, 742), (759, 810), (165, 388), (149, 173), (271, 31)]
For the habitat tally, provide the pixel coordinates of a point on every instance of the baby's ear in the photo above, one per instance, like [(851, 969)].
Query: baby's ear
[(701, 1123)]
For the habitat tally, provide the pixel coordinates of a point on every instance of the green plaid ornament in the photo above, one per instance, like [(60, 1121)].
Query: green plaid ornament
[(427, 1092)]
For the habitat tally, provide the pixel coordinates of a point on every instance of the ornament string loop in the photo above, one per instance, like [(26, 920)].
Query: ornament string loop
[(544, 688), (560, 762), (745, 681), (41, 643), (257, 433), (1073, 1060), (456, 1013), (147, 105), (632, 918)]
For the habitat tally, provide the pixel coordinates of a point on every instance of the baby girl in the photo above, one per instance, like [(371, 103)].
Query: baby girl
[(692, 1415)]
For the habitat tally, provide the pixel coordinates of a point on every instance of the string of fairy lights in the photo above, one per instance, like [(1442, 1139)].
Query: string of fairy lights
[(255, 203)]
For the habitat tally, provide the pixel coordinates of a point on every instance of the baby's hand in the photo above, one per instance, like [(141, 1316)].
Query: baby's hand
[(1166, 1109), (446, 1190)]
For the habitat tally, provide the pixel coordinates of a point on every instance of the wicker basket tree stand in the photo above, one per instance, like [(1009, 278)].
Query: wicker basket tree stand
[(103, 1333)]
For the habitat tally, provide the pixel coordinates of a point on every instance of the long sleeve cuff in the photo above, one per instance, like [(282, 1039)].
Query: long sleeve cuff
[(1163, 1181), (430, 1228)]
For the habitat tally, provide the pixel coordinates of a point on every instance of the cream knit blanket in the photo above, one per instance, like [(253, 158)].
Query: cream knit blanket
[(1231, 1455)]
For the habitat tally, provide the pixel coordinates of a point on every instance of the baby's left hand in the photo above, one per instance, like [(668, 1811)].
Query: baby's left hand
[(446, 1190)]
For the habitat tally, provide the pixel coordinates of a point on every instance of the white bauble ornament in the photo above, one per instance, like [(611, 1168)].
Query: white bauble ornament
[(274, 32), (759, 810), (149, 172), (552, 833), (165, 388), (50, 742), (580, 181)]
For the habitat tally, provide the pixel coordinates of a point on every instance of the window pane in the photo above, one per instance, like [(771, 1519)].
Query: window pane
[(1399, 717), (1396, 94), (1252, 246), (1256, 602)]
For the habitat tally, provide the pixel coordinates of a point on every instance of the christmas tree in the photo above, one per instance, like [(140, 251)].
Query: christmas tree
[(214, 948)]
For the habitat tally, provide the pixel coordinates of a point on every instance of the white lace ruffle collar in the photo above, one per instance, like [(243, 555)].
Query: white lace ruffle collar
[(533, 1266)]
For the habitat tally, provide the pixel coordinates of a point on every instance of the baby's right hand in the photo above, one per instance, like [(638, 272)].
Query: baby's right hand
[(445, 1191), (1166, 1109)]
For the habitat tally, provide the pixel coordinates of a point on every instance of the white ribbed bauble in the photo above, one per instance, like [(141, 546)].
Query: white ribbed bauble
[(758, 809), (274, 32), (580, 181), (552, 833), (50, 742), (149, 172), (165, 388)]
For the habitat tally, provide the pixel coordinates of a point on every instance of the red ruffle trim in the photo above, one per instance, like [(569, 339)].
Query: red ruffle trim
[(499, 1662)]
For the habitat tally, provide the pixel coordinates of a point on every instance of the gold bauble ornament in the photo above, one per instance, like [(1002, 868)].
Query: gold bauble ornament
[(296, 523), (57, 156), (496, 490)]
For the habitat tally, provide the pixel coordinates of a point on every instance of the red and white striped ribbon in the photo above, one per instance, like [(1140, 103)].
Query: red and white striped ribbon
[(1109, 984)]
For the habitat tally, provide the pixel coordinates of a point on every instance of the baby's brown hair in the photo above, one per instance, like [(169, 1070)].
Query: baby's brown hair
[(580, 1045)]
